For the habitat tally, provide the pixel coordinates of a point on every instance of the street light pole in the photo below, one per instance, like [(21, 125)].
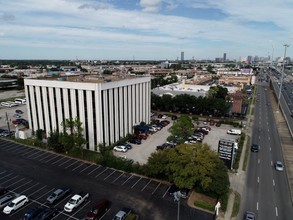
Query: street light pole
[(7, 121), (282, 76)]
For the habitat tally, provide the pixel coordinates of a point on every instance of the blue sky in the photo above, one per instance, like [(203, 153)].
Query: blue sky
[(144, 29)]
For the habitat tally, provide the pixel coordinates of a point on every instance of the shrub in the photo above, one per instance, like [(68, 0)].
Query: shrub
[(205, 205)]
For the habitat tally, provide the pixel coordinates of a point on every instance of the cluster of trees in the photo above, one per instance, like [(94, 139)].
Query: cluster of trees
[(190, 166), (70, 139), (161, 81), (189, 104)]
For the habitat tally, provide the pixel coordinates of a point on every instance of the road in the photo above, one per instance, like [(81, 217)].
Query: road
[(268, 193), (37, 173)]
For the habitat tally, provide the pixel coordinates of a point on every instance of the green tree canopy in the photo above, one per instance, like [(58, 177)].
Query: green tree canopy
[(182, 128), (190, 166)]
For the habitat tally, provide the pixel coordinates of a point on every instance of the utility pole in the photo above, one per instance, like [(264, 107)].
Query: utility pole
[(282, 75)]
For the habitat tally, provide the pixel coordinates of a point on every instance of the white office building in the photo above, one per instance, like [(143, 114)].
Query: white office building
[(108, 106)]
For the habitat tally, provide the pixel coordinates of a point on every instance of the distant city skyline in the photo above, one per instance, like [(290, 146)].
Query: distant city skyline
[(144, 29)]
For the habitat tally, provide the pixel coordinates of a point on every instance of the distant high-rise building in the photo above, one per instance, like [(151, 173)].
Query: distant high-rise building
[(224, 57), (182, 56)]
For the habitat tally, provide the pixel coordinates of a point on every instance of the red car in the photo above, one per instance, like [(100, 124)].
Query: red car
[(15, 122)]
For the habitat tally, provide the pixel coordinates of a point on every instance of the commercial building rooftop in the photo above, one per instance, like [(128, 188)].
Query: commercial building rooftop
[(91, 78)]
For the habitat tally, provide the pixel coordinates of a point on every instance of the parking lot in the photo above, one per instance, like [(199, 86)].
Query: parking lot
[(38, 192), (10, 115), (140, 153)]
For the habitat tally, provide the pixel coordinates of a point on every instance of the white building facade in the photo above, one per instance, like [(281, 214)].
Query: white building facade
[(108, 110)]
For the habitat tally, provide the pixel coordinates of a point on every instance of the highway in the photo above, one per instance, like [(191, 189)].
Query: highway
[(267, 190)]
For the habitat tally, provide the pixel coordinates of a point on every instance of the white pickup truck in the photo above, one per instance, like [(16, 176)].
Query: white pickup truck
[(75, 201)]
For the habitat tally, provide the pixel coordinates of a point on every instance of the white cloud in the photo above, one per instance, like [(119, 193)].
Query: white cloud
[(150, 5)]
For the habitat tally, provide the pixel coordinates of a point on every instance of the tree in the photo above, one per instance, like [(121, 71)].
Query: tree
[(190, 166), (54, 142), (39, 134), (72, 136), (182, 128)]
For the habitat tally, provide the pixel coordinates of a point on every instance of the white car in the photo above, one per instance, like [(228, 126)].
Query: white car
[(120, 148), (279, 166), (164, 117), (15, 204)]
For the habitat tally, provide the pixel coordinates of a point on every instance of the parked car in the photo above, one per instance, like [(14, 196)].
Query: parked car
[(120, 148), (128, 146), (76, 201), (98, 210), (15, 122), (32, 213), (201, 131), (47, 214), (279, 166), (6, 199), (58, 195), (17, 111), (143, 136), (207, 128), (135, 140), (15, 204), (234, 131), (122, 214)]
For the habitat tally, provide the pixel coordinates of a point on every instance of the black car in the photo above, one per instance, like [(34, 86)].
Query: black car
[(172, 189), (135, 140), (47, 214), (254, 148), (32, 213)]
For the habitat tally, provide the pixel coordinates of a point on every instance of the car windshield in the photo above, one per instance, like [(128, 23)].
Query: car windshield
[(72, 201), (11, 204)]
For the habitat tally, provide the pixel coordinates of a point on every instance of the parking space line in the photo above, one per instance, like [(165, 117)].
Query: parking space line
[(9, 179), (25, 149), (94, 170), (12, 147), (77, 167), (146, 185), (54, 156), (110, 174), (23, 185), (40, 155), (59, 160), (6, 176), (2, 172), (101, 172), (38, 190), (69, 159), (49, 154), (29, 151), (31, 156), (45, 194), (166, 191), (8, 146), (127, 180), (156, 188), (85, 168), (118, 177), (19, 149), (72, 164), (136, 182), (16, 182), (4, 145), (30, 187)]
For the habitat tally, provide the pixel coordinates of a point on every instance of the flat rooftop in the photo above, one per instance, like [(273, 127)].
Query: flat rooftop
[(91, 78)]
